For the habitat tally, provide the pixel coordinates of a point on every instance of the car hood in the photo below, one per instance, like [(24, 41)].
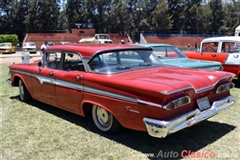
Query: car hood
[(190, 63), (5, 47), (29, 47), (170, 79)]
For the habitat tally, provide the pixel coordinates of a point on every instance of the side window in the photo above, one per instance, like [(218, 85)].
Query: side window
[(123, 57), (167, 52), (210, 47), (72, 62), (53, 60), (228, 47), (160, 52), (237, 47)]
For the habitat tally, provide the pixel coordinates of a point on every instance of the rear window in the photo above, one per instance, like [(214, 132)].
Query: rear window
[(29, 44)]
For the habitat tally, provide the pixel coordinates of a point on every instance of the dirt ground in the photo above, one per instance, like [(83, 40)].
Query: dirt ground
[(17, 58)]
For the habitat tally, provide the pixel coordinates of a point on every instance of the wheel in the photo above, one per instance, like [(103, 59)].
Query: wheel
[(23, 92), (104, 120), (10, 52)]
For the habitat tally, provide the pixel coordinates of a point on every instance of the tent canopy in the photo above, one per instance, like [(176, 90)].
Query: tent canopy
[(237, 31)]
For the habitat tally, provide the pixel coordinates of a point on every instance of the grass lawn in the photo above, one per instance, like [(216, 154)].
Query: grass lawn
[(36, 131)]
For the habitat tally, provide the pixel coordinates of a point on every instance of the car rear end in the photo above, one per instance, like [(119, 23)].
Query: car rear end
[(30, 47), (189, 107), (167, 104)]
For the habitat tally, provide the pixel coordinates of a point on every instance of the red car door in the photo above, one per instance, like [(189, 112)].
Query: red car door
[(208, 52), (69, 89), (211, 56), (69, 82)]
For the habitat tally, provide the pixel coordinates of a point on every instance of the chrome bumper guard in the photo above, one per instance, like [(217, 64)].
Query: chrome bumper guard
[(161, 128), (9, 81)]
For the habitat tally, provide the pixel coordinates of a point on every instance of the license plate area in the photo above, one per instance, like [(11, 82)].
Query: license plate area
[(203, 103)]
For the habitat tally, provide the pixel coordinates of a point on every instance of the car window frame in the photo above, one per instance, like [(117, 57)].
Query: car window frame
[(63, 54)]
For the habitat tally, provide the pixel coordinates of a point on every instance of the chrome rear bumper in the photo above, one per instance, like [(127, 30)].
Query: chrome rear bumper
[(161, 128)]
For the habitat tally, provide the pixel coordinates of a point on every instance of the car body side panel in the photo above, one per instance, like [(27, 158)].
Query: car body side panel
[(130, 94), (69, 90), (230, 61), (43, 86)]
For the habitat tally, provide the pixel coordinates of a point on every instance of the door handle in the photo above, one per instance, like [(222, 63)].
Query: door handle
[(51, 73), (213, 55), (78, 78)]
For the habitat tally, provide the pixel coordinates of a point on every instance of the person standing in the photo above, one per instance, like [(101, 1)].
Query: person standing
[(44, 46)]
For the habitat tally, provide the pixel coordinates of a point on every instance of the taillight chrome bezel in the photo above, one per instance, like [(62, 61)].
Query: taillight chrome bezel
[(177, 103), (224, 87)]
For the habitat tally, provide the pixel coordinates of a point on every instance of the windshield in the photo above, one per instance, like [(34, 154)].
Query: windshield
[(123, 61), (167, 52), (5, 44), (29, 44)]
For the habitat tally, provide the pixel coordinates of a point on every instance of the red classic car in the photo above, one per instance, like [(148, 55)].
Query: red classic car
[(222, 49), (123, 86)]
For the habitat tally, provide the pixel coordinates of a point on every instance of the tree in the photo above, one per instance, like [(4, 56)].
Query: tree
[(42, 15), (217, 15), (176, 11), (159, 19), (204, 19)]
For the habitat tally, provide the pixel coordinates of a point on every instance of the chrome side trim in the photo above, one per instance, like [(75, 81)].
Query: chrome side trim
[(22, 72), (109, 94), (149, 103), (161, 128), (66, 84), (196, 91), (179, 90), (44, 79)]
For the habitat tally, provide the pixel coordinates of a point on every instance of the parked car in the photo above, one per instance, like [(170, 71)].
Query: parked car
[(98, 38), (51, 44), (220, 49), (65, 43), (171, 56), (132, 90), (7, 48), (30, 47)]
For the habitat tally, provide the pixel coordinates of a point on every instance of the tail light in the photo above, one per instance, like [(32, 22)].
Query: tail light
[(177, 103), (224, 87)]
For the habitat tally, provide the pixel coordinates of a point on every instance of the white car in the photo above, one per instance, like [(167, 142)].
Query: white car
[(65, 43), (51, 44), (30, 47)]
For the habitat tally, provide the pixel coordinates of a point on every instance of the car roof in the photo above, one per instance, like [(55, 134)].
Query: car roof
[(29, 42), (218, 39), (154, 44), (92, 49)]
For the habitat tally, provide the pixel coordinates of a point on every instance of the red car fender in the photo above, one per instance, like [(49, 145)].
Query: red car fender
[(17, 76)]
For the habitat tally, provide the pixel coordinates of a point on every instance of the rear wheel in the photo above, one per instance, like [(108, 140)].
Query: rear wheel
[(104, 120), (23, 92)]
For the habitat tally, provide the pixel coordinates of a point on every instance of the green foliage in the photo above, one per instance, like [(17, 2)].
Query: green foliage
[(112, 16), (8, 38)]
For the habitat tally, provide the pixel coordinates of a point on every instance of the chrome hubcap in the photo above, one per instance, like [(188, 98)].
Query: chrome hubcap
[(103, 116)]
